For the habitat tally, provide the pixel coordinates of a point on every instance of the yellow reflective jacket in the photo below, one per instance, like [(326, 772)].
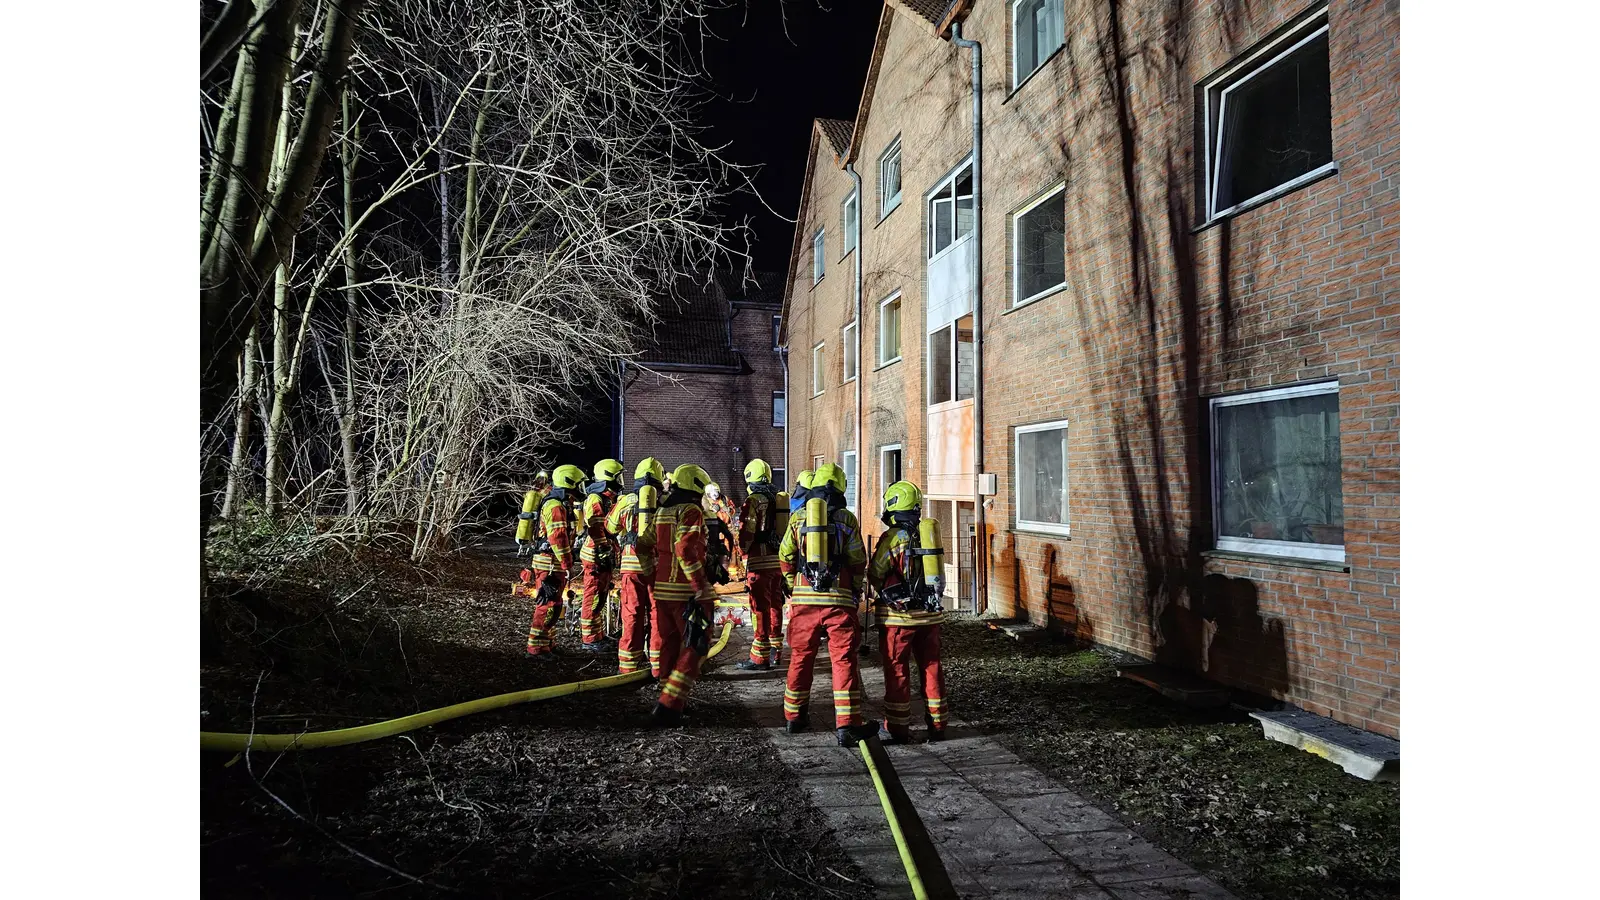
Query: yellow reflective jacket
[(555, 523), (595, 511), (681, 553), (759, 512), (638, 556), (845, 544), (891, 560)]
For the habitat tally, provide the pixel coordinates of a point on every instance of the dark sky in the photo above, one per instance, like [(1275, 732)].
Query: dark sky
[(773, 84)]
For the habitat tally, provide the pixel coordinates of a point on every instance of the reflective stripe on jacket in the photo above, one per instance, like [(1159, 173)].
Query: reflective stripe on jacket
[(681, 553), (891, 560), (845, 541), (641, 558), (555, 524)]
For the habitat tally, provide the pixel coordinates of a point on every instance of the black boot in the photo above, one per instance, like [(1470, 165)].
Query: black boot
[(795, 726), (851, 735), (750, 665), (935, 732), (665, 716)]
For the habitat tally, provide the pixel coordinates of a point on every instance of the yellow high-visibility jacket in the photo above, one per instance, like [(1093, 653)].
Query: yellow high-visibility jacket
[(555, 523), (595, 510), (851, 554), (891, 560), (681, 553), (640, 557), (758, 511)]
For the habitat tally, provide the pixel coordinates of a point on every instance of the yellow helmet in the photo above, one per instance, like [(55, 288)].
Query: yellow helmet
[(569, 477), (607, 470), (690, 477), (756, 471), (902, 496), (805, 478), (649, 467), (829, 474), (541, 479)]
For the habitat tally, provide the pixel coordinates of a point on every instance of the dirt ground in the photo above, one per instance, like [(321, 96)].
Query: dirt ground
[(1264, 819), (567, 798)]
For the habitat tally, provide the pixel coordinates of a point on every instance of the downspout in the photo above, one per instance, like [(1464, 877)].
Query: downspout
[(980, 561), (783, 359), (622, 406), (855, 178)]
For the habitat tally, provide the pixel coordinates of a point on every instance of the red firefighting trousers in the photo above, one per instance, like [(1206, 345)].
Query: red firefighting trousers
[(901, 643), (635, 590), (807, 624), (596, 584), (679, 661), (541, 634), (766, 615)]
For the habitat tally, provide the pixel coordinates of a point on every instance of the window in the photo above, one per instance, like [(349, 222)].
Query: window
[(952, 369), (1042, 478), (888, 466), (850, 213), (816, 462), (780, 409), (780, 479), (1038, 247), (889, 179), (777, 332), (817, 381), (889, 329), (848, 462), (1269, 121), (818, 247), (850, 352), (1276, 472), (1037, 30), (950, 211)]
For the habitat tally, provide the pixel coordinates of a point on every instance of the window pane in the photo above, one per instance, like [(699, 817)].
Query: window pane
[(966, 360), (889, 332), (893, 468), (1278, 470), (849, 466), (939, 223), (1041, 247), (1276, 126), (849, 352), (939, 366), (816, 369), (777, 327), (780, 479), (889, 188), (850, 223), (817, 247), (1042, 476), (780, 409), (963, 188)]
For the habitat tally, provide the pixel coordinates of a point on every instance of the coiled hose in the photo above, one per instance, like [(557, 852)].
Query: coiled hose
[(310, 740)]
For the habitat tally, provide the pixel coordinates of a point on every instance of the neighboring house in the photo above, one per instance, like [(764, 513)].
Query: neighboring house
[(1146, 346), (708, 388)]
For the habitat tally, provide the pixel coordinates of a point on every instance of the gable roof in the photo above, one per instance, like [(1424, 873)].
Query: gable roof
[(765, 288), (837, 133), (693, 330)]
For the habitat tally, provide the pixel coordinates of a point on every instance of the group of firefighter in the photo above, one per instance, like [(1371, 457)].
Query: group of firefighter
[(668, 539)]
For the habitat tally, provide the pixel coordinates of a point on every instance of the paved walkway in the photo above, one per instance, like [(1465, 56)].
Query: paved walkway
[(1004, 829)]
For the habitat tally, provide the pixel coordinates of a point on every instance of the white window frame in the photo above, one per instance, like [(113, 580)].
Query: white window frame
[(1262, 546), (1017, 75), (883, 469), (819, 380), (848, 337), (898, 329), (927, 234), (777, 330), (844, 220), (776, 396), (1216, 90), (819, 252), (852, 482), (888, 204), (1016, 487), (817, 462), (1016, 249)]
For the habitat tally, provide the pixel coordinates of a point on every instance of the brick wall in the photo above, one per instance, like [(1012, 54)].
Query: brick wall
[(1157, 317)]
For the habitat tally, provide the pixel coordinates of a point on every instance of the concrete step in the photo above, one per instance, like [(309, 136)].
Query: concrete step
[(1176, 684), (1361, 753), (1019, 631)]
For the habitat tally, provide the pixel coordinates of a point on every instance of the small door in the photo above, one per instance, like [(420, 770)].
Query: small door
[(964, 543)]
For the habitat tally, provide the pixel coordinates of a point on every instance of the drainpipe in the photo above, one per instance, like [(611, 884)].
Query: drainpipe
[(622, 406), (980, 562), (788, 405), (855, 178)]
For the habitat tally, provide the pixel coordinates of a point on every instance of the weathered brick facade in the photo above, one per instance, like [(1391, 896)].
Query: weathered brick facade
[(1161, 312), (702, 392)]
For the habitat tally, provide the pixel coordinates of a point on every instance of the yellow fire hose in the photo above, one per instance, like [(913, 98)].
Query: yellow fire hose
[(924, 869), (217, 740)]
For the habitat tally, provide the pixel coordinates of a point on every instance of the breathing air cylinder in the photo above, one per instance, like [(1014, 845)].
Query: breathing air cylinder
[(525, 522), (932, 550), (644, 518), (816, 531)]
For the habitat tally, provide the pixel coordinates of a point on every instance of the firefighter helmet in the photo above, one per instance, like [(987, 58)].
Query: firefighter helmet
[(607, 470), (542, 479), (690, 477), (756, 471), (649, 466), (830, 475), (804, 481), (902, 496), (568, 477)]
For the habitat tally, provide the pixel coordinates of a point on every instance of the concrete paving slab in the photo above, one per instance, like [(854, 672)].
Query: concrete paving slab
[(1192, 888), (1117, 856), (1059, 813), (979, 843), (1011, 780), (1058, 878), (945, 798)]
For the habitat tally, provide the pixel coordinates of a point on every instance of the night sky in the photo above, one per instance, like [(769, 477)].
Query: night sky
[(769, 85)]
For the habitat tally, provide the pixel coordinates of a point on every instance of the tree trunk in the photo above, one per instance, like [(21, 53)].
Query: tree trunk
[(347, 414), (444, 189), (239, 461)]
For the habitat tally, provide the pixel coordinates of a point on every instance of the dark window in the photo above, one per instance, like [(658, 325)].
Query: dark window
[(1041, 237), (780, 409), (939, 380)]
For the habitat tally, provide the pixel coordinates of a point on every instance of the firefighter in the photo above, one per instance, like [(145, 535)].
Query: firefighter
[(530, 512), (762, 522), (599, 552), (552, 557), (907, 574), (684, 601), (632, 521), (802, 489), (823, 559)]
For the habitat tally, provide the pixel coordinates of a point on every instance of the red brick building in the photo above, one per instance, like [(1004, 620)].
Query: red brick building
[(1141, 348), (708, 388)]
